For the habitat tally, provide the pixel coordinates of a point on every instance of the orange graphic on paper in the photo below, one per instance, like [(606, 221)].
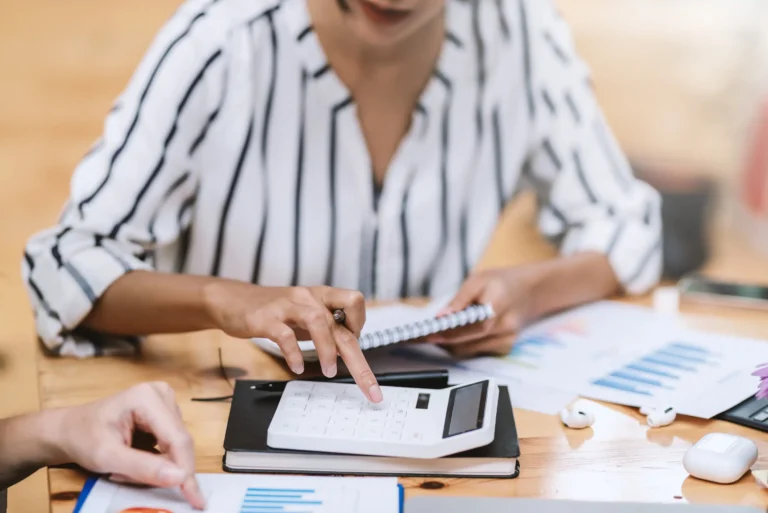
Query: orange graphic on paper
[(571, 327), (145, 510)]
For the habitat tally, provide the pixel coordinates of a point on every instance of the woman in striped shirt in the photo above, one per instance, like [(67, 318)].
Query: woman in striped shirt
[(268, 157)]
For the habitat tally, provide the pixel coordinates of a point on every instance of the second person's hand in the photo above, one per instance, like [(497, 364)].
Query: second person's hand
[(286, 315), (98, 437)]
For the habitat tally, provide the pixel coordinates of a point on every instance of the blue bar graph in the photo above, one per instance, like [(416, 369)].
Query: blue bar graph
[(526, 347), (660, 370), (540, 341), (281, 500), (523, 353), (692, 358), (659, 360), (688, 347), (637, 367), (637, 379), (621, 386)]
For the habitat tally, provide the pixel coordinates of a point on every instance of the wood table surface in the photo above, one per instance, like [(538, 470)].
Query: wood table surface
[(65, 64), (619, 458)]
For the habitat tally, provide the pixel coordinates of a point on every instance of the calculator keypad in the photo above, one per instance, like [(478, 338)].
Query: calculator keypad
[(344, 412)]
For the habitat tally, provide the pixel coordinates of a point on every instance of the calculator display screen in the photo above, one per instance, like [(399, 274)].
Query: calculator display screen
[(466, 408)]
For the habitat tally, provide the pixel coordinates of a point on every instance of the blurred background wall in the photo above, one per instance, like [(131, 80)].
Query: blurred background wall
[(683, 83)]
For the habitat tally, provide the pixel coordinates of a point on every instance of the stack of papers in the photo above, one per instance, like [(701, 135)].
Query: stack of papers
[(616, 353)]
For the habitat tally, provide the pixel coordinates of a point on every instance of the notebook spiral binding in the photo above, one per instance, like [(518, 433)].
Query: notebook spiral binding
[(470, 315)]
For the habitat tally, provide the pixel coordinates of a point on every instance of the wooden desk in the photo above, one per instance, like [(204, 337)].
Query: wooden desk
[(619, 459)]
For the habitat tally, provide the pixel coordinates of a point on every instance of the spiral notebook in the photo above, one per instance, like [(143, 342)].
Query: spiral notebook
[(390, 325)]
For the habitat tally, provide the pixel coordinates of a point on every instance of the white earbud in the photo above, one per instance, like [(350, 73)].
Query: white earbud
[(661, 417), (575, 418)]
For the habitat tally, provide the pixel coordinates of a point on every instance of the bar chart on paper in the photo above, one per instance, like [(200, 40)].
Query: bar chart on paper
[(230, 493), (530, 349), (670, 370), (295, 500)]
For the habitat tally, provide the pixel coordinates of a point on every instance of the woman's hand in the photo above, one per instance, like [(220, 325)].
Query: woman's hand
[(508, 292), (520, 295), (287, 315)]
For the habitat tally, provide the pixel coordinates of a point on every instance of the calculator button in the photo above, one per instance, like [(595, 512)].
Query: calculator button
[(341, 427), (350, 402), (414, 436), (374, 422), (343, 417), (330, 399), (401, 404), (295, 405), (355, 393), (323, 393), (375, 414), (317, 418), (313, 429), (761, 416), (299, 395), (395, 424), (287, 427), (317, 407), (299, 386), (333, 425), (399, 414), (322, 403), (342, 431), (347, 410), (393, 435), (369, 433)]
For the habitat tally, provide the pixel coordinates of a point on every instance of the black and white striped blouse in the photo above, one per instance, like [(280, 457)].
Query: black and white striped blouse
[(236, 151)]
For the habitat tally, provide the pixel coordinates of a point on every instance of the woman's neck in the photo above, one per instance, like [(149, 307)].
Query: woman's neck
[(353, 58)]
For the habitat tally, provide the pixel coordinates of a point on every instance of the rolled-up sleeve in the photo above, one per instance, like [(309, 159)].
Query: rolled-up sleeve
[(589, 198), (129, 193)]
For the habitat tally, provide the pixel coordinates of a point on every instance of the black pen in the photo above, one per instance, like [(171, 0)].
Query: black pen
[(339, 316), (433, 380)]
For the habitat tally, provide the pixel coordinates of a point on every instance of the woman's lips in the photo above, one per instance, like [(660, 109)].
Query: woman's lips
[(382, 15)]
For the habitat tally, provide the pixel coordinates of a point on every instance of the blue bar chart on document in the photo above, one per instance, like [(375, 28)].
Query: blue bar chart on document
[(664, 370), (296, 500), (629, 355), (242, 493), (697, 375)]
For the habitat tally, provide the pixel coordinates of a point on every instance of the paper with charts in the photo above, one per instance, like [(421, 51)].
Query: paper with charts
[(630, 355), (229, 493)]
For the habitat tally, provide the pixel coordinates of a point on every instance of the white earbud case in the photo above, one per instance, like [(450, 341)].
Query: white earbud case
[(720, 458)]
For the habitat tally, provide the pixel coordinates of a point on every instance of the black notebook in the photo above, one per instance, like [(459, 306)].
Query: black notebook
[(245, 447)]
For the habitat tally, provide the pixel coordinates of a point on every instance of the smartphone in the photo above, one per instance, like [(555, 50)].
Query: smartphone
[(703, 289)]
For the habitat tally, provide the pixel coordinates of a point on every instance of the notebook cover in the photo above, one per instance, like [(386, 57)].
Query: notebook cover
[(252, 411)]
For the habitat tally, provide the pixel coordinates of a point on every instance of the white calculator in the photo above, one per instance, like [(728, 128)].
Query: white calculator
[(408, 423)]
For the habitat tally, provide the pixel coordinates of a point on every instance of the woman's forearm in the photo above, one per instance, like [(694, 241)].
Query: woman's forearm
[(143, 303), (566, 282)]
